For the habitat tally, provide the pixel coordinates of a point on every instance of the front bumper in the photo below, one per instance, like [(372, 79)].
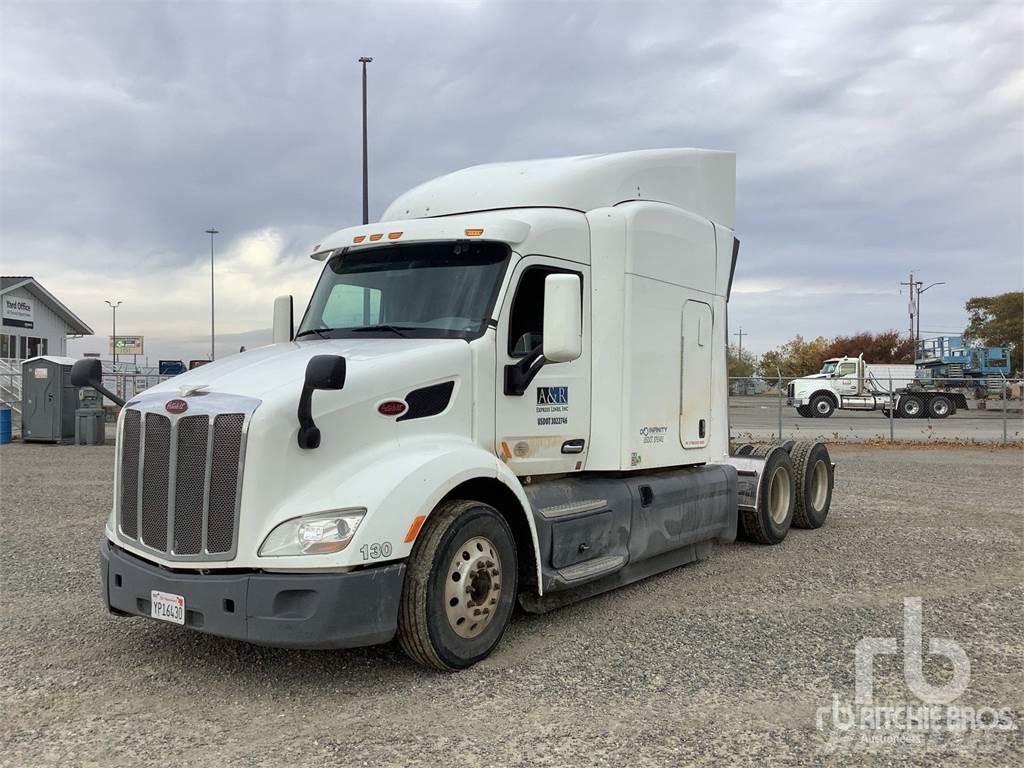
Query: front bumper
[(284, 610)]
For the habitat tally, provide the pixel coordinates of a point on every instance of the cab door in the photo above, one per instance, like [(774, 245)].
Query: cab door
[(846, 378), (547, 428)]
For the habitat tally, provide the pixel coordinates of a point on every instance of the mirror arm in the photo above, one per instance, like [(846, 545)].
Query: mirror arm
[(519, 375), (309, 433), (322, 372), (118, 401), (88, 372)]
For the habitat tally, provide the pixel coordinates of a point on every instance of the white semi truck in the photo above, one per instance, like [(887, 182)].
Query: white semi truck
[(511, 387), (848, 383)]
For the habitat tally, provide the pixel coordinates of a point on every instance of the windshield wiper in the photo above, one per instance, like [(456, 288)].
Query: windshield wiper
[(318, 331), (395, 329)]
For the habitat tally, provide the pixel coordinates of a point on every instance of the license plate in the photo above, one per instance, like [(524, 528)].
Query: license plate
[(167, 607)]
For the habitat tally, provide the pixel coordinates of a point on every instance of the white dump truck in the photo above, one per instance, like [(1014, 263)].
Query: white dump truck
[(849, 383), (511, 387)]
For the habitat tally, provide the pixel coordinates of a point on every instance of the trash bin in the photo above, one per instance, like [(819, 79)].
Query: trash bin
[(90, 426), (5, 425)]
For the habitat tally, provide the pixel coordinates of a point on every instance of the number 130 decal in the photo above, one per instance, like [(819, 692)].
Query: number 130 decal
[(375, 551)]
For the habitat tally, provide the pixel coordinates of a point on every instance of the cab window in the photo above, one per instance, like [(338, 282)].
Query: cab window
[(847, 369)]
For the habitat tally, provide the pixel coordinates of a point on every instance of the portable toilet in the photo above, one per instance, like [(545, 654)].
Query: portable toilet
[(48, 400)]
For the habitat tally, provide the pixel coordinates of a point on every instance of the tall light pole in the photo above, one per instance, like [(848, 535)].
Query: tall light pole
[(920, 290), (211, 232), (113, 330), (364, 60)]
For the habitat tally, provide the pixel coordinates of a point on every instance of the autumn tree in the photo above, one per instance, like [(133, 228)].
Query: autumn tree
[(801, 358), (794, 358), (998, 321), (885, 347), (741, 363)]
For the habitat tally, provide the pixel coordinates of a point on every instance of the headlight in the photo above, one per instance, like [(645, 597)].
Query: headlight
[(319, 534)]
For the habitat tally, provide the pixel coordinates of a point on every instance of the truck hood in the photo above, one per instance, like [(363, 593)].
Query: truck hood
[(260, 371)]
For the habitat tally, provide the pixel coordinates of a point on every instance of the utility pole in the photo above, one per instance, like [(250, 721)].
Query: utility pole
[(113, 331), (364, 60), (741, 334), (739, 360), (912, 305), (211, 232)]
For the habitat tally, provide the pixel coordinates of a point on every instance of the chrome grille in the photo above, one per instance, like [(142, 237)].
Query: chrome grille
[(130, 452), (156, 443), (227, 441), (190, 484), (180, 477)]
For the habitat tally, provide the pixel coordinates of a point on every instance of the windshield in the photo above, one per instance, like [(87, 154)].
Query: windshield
[(422, 290), (829, 367)]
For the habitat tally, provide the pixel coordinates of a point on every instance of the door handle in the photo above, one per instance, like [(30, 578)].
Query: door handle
[(573, 446)]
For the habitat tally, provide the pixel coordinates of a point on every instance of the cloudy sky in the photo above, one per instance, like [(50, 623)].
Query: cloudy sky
[(872, 139)]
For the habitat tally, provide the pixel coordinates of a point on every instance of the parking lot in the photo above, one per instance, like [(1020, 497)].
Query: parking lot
[(725, 661)]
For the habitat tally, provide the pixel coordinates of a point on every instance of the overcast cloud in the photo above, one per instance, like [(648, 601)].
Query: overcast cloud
[(872, 138)]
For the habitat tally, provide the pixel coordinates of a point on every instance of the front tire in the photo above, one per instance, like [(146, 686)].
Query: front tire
[(822, 406), (805, 411), (460, 586)]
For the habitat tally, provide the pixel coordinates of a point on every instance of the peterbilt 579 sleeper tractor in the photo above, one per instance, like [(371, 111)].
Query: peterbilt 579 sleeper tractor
[(512, 386)]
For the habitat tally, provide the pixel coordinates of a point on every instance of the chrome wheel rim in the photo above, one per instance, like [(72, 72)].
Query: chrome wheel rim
[(940, 407), (473, 587), (823, 406), (912, 408), (819, 485), (778, 495)]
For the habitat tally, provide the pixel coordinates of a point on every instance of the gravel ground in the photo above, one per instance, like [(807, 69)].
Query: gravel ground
[(724, 661)]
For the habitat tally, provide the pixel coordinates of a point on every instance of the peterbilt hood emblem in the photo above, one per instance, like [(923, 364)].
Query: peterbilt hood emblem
[(177, 405)]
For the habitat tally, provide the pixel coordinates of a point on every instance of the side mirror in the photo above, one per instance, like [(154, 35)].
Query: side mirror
[(563, 318), (88, 372), (563, 333), (284, 326), (322, 372)]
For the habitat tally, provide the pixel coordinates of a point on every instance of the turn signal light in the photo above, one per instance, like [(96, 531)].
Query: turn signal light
[(474, 232), (417, 523)]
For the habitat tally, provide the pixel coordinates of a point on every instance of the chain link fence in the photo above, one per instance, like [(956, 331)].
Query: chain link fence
[(894, 409), (983, 411)]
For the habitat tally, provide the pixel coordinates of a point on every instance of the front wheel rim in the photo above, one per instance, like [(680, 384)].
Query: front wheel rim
[(473, 587), (823, 407)]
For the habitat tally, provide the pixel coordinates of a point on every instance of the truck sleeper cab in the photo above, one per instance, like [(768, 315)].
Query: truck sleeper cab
[(512, 387)]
